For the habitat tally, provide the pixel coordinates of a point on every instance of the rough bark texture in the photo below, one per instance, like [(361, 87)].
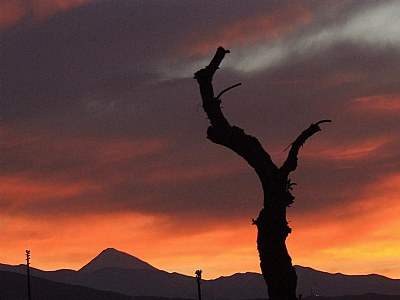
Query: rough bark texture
[(276, 264)]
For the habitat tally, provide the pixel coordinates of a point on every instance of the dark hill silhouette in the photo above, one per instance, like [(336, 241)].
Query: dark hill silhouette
[(316, 282), (112, 258), (110, 276), (13, 287), (370, 296)]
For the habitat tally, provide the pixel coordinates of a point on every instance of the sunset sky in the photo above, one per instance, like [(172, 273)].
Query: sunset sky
[(103, 139)]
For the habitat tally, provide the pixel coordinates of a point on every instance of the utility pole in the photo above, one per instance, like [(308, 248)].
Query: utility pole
[(198, 278), (28, 256)]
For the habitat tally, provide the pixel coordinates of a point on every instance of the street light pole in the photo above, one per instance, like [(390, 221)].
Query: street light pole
[(28, 256), (198, 278)]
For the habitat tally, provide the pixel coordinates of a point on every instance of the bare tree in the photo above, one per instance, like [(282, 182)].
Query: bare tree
[(276, 264)]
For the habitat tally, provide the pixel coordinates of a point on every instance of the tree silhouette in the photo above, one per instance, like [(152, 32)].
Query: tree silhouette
[(276, 264)]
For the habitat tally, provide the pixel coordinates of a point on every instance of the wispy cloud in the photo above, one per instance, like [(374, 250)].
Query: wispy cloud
[(271, 40), (13, 12), (387, 104), (357, 150), (266, 27)]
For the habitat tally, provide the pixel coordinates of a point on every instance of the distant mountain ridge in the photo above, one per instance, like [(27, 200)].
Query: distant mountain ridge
[(122, 273), (112, 258), (12, 288)]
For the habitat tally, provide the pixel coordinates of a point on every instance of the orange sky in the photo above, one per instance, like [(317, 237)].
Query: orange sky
[(329, 245), (103, 144), (328, 241)]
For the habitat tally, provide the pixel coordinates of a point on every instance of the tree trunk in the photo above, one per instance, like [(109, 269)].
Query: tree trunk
[(276, 264)]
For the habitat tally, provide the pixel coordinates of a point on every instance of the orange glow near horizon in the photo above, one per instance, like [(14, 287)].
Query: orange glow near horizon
[(350, 239), (354, 237)]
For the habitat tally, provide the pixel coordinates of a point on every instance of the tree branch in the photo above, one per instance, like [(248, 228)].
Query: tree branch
[(291, 162), (208, 72), (204, 77), (227, 89), (220, 131)]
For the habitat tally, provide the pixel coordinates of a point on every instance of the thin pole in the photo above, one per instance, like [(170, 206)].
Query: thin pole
[(28, 253), (198, 277)]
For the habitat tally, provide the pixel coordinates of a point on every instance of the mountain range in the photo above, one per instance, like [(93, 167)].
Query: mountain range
[(122, 276)]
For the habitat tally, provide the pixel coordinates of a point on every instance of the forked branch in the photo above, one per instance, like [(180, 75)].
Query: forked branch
[(234, 138), (291, 162)]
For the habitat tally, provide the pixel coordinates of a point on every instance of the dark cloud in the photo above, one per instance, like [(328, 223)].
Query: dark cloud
[(87, 82)]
